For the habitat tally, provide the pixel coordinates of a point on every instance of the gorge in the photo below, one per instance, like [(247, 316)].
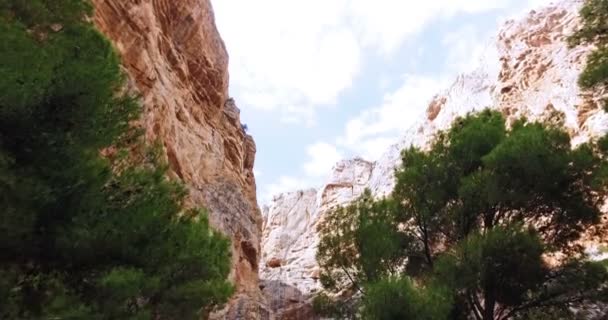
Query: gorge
[(529, 71), (176, 60)]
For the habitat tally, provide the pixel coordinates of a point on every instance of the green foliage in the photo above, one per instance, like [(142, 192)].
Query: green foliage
[(476, 214), (359, 243), (494, 181), (399, 299), (596, 71), (594, 30), (323, 305), (578, 277), (81, 235), (42, 13), (506, 261), (479, 213), (334, 308)]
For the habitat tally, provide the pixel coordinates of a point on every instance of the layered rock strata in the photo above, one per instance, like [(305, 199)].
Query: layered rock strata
[(175, 59)]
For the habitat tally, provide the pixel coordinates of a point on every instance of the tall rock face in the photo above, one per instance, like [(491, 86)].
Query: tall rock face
[(528, 71), (177, 62), (290, 273)]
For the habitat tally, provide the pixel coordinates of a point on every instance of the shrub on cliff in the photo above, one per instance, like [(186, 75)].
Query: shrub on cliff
[(594, 31), (81, 235), (475, 219)]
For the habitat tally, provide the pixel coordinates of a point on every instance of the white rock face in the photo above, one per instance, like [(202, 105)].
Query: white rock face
[(528, 71), (290, 225)]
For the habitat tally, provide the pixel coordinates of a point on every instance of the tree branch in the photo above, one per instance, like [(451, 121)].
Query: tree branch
[(476, 306), (355, 284)]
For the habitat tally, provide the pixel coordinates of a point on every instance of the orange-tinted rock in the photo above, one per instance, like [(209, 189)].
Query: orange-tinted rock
[(287, 302), (176, 60), (435, 107), (274, 263)]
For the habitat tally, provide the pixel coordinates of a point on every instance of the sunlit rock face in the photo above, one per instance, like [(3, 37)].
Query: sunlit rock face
[(175, 59), (528, 71), (289, 240)]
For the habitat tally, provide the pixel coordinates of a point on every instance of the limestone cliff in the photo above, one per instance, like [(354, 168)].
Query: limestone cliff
[(527, 71), (177, 62), (290, 272)]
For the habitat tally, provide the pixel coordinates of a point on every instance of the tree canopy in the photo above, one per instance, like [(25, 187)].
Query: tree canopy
[(90, 228), (485, 224), (488, 218)]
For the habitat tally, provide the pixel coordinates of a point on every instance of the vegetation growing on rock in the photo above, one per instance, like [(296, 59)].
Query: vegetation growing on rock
[(483, 225), (594, 18)]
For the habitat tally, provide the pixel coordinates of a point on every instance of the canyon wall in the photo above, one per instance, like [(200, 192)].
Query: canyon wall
[(175, 59), (290, 274), (528, 71)]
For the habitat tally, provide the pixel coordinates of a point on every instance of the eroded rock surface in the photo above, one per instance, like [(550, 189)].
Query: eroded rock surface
[(176, 60), (528, 71), (290, 237)]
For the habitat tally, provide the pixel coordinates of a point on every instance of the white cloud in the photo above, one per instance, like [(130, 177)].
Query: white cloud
[(323, 156), (288, 56), (535, 4), (466, 47), (283, 184), (293, 57), (373, 130), (385, 24), (299, 115)]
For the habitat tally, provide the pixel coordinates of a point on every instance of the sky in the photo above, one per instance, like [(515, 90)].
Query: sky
[(318, 81)]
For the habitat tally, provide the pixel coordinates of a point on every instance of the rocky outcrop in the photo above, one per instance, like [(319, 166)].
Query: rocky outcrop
[(177, 62), (528, 71), (290, 239), (287, 302)]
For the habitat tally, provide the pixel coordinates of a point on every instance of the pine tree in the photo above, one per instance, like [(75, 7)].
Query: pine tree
[(84, 235), (475, 218), (594, 31)]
